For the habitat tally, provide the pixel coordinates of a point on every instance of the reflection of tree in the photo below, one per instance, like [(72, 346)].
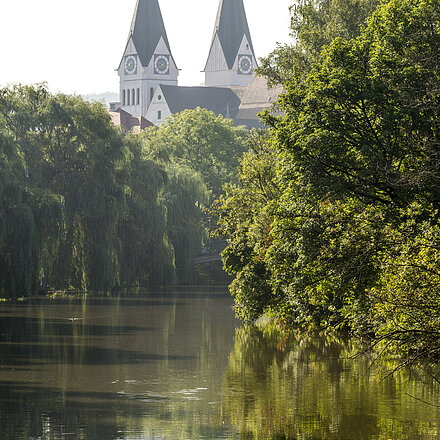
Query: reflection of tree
[(115, 367), (308, 387)]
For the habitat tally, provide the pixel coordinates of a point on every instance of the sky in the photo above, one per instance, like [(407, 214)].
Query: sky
[(75, 46)]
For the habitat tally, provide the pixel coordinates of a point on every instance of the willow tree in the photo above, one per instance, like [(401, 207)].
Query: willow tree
[(185, 197), (31, 217), (199, 153), (147, 256), (79, 196)]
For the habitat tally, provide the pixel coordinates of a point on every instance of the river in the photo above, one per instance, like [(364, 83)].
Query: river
[(177, 365)]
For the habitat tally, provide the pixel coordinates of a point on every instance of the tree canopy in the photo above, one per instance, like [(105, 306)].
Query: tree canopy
[(86, 207), (351, 239), (199, 152), (72, 186)]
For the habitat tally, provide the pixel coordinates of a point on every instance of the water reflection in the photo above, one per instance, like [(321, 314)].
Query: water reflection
[(174, 365), (115, 368), (311, 388)]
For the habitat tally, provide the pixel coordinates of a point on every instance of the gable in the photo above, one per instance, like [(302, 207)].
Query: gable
[(231, 25), (216, 59), (147, 29)]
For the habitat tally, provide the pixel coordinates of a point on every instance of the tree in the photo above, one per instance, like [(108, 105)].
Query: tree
[(147, 256), (354, 232), (31, 218), (185, 197), (245, 216), (200, 140), (199, 153), (359, 137), (80, 204), (314, 25)]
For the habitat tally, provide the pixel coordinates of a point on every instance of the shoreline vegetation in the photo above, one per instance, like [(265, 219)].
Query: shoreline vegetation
[(334, 223), (87, 207)]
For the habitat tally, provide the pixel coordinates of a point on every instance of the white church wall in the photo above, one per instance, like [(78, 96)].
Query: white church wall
[(221, 78), (145, 80), (158, 109), (172, 74), (216, 59), (217, 73), (238, 78)]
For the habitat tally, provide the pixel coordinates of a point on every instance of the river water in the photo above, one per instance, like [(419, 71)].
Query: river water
[(177, 365)]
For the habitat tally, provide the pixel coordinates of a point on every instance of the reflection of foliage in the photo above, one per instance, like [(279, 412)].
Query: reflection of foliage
[(103, 376), (282, 386)]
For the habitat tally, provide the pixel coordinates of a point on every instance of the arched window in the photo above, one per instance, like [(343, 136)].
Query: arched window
[(159, 114), (128, 97), (133, 97), (138, 96), (123, 97)]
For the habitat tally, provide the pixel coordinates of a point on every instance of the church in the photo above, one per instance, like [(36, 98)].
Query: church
[(149, 90)]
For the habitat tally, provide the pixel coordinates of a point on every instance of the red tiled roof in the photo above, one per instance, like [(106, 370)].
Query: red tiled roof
[(128, 122)]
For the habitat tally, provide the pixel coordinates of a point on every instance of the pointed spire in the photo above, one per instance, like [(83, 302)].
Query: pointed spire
[(146, 29), (230, 26)]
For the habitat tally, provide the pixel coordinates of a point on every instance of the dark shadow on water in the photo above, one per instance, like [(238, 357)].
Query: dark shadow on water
[(165, 297), (19, 391), (23, 329), (68, 354), (96, 301)]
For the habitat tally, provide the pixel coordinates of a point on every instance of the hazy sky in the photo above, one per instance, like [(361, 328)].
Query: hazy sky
[(76, 45)]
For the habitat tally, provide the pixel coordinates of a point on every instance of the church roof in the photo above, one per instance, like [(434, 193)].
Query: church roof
[(230, 26), (257, 97), (220, 100), (146, 29), (129, 122), (258, 94)]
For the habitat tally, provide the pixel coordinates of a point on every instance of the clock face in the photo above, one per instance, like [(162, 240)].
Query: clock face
[(130, 64), (162, 64), (245, 64)]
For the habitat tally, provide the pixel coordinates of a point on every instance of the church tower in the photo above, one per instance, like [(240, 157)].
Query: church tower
[(147, 60), (231, 59)]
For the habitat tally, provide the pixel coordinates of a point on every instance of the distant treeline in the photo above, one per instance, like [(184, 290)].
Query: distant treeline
[(335, 222), (84, 206)]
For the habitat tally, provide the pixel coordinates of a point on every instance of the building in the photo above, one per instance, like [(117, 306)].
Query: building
[(129, 122), (149, 75)]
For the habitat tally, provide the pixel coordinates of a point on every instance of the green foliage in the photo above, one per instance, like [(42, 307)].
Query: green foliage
[(185, 197), (359, 139), (80, 205), (314, 25), (31, 218), (351, 237), (86, 207), (202, 141), (199, 153), (147, 256), (406, 298), (244, 213)]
